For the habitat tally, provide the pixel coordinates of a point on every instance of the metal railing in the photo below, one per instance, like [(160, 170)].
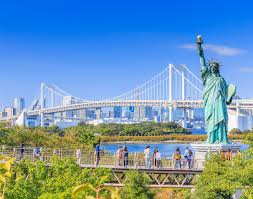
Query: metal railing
[(90, 159)]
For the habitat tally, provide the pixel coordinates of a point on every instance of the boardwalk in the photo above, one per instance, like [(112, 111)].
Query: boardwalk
[(163, 176)]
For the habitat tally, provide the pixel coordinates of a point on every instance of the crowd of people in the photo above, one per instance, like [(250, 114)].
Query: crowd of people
[(151, 159)]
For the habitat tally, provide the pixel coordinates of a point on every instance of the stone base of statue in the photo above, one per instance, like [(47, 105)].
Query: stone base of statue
[(201, 151)]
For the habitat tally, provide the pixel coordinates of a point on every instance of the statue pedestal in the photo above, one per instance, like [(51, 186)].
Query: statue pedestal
[(201, 151)]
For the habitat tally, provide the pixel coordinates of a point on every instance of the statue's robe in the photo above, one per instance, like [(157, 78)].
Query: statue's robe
[(215, 97)]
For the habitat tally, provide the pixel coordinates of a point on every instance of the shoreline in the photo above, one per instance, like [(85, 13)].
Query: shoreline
[(159, 142)]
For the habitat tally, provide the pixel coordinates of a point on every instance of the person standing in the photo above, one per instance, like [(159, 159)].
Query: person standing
[(154, 157), (177, 159), (119, 155), (147, 156), (229, 155), (158, 158), (125, 155), (188, 156), (97, 154), (22, 150)]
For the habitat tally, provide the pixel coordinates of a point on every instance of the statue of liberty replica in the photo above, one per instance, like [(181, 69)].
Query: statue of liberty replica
[(217, 94)]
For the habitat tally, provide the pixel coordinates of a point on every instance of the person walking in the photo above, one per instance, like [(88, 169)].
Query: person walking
[(177, 159), (125, 156), (119, 155), (147, 156)]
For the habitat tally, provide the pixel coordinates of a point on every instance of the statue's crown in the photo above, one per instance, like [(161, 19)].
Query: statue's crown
[(214, 63)]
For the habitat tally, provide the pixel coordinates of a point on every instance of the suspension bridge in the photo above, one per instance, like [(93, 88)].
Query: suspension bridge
[(175, 87)]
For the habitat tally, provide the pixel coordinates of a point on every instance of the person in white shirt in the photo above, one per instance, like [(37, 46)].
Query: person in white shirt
[(147, 156)]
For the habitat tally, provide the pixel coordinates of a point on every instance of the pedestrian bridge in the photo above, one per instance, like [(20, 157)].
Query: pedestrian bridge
[(159, 177)]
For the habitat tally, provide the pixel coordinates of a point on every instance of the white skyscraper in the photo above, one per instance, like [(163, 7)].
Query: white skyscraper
[(18, 105)]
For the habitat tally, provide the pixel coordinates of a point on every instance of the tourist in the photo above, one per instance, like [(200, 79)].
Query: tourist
[(154, 157), (177, 158), (119, 155), (223, 155), (158, 159), (125, 156), (188, 156), (229, 155), (239, 153), (147, 156), (22, 150), (37, 152), (97, 154)]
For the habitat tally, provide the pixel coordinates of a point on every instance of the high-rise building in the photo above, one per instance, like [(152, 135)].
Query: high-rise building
[(148, 112), (98, 113), (7, 113), (90, 114), (18, 105), (111, 114), (117, 111), (142, 112), (67, 100)]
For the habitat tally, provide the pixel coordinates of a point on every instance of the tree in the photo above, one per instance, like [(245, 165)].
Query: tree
[(222, 178), (136, 186), (5, 173), (96, 189), (235, 131)]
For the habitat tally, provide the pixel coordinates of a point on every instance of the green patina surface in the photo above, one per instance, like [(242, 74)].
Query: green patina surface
[(217, 95)]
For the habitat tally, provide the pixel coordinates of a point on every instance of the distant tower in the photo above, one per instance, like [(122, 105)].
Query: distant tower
[(117, 111), (18, 105)]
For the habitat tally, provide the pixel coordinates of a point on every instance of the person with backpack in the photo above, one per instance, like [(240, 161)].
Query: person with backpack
[(177, 159), (119, 155), (188, 156)]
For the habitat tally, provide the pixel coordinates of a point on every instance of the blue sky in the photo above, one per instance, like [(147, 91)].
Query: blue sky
[(100, 49)]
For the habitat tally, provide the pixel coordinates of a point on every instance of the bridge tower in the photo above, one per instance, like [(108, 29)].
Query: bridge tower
[(184, 116), (170, 92), (42, 104)]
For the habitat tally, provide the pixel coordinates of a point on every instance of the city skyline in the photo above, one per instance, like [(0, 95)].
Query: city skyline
[(93, 54)]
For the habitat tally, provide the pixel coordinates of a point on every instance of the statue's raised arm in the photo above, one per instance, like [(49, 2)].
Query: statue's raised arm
[(204, 67)]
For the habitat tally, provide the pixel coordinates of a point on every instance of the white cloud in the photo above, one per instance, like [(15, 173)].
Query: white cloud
[(221, 50), (246, 69)]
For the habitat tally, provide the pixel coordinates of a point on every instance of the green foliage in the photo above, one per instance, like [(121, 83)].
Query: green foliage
[(221, 179), (5, 173), (32, 180), (81, 136), (136, 186)]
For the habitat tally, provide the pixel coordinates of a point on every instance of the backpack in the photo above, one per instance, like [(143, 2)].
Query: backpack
[(177, 156)]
